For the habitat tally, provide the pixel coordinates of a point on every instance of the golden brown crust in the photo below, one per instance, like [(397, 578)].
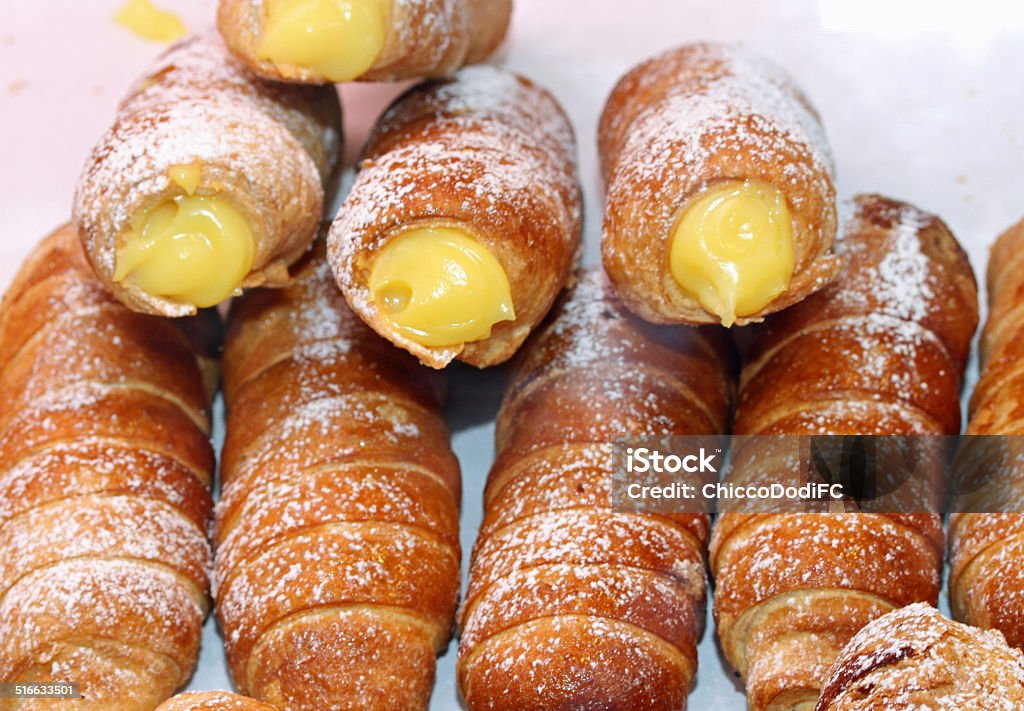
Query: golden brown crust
[(489, 152), (267, 148), (676, 124), (337, 529), (986, 548), (915, 658), (880, 351), (213, 701), (888, 341), (997, 404), (568, 596), (105, 466), (424, 38)]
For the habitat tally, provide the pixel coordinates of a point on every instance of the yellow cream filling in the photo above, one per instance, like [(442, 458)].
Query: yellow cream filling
[(440, 287), (337, 39), (732, 249), (186, 176), (191, 249), (150, 22)]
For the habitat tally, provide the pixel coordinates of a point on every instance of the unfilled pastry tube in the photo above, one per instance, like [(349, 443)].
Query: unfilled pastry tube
[(105, 468), (986, 572), (376, 40), (210, 180), (915, 658), (337, 528), (464, 220), (573, 604), (720, 203), (882, 351)]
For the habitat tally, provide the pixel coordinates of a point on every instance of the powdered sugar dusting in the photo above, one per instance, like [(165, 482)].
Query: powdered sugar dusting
[(212, 701), (986, 549), (95, 598), (487, 151), (101, 540), (901, 284), (690, 117), (901, 316), (589, 660), (284, 550), (741, 110), (556, 570), (915, 659), (197, 106), (878, 352)]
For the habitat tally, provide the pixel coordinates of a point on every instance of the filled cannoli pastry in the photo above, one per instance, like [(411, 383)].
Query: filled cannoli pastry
[(325, 41), (720, 202), (210, 180), (464, 221), (882, 351)]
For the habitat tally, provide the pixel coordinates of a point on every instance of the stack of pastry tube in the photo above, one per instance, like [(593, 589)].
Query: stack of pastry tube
[(489, 156), (200, 134), (337, 542), (675, 132), (572, 604), (105, 468), (373, 40), (915, 658), (987, 543), (881, 351)]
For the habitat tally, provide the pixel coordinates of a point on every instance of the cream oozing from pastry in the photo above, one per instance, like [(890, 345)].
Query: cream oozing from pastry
[(732, 248), (338, 40), (194, 249), (439, 287)]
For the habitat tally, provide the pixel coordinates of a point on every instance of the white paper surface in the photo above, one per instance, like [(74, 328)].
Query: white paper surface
[(932, 115)]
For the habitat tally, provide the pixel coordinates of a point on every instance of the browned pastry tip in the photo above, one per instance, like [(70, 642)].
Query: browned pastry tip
[(213, 701), (686, 123), (412, 39), (567, 595), (488, 154), (881, 351), (198, 126), (105, 468), (915, 658), (337, 530)]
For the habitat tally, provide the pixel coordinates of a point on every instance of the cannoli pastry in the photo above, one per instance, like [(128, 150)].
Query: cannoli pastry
[(568, 596), (213, 701), (325, 41), (986, 569), (337, 528), (210, 180), (915, 658), (105, 468), (720, 204), (464, 220), (882, 351)]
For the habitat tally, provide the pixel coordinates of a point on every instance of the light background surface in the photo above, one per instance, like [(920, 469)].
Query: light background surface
[(922, 100)]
